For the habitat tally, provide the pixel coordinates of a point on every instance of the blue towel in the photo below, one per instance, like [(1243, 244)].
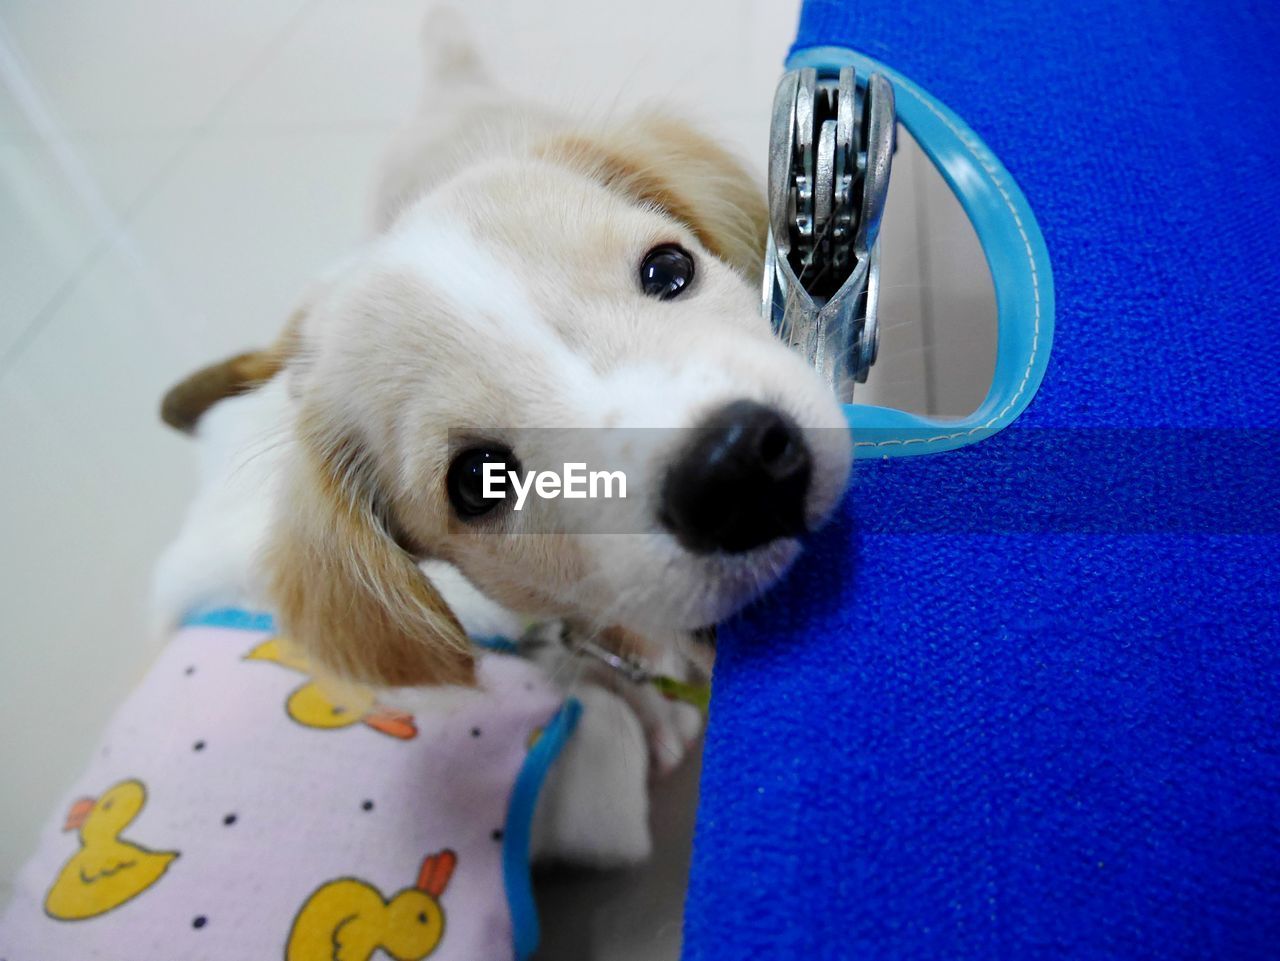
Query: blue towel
[(1005, 708)]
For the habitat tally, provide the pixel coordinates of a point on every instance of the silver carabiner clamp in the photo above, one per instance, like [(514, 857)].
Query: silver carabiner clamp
[(830, 151)]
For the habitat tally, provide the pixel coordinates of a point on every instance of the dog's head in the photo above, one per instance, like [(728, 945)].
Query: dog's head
[(603, 284)]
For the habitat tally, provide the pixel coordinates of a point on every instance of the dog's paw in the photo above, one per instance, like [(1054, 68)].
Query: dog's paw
[(594, 808), (675, 731), (670, 727)]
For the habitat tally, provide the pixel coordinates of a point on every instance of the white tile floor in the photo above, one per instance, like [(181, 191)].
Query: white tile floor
[(171, 174)]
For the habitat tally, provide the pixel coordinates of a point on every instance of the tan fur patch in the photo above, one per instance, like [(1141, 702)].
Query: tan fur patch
[(356, 602), (665, 162)]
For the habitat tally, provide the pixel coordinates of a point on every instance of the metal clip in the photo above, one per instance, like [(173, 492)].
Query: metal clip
[(830, 152), (630, 668)]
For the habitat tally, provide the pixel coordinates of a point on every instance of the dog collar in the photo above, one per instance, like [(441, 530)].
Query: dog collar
[(636, 672)]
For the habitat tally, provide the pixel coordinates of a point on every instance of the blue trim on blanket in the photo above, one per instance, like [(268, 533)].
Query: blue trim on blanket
[(519, 827), (497, 644), (234, 618)]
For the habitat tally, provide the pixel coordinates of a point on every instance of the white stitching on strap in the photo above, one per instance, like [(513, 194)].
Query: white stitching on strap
[(985, 158)]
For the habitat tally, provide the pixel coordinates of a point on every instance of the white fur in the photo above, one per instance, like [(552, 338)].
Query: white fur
[(242, 447)]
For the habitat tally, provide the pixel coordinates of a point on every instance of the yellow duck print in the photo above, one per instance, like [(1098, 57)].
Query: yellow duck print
[(348, 920), (106, 871), (309, 706)]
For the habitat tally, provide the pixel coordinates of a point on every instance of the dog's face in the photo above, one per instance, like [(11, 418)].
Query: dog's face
[(531, 313)]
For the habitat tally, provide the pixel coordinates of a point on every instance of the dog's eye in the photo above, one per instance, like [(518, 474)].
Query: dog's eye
[(666, 271), (465, 481)]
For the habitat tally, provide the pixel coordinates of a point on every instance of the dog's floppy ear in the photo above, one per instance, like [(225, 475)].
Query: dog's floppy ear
[(665, 162), (344, 590)]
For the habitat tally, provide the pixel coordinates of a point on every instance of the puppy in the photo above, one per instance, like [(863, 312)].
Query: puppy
[(534, 290), (527, 271)]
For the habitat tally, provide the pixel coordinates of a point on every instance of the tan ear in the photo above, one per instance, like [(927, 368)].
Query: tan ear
[(664, 161), (345, 591)]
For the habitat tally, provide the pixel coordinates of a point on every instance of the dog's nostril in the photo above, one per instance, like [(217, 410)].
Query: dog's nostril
[(740, 482), (775, 445)]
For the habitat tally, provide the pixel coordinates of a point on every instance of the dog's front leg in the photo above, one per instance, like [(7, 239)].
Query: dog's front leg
[(594, 808)]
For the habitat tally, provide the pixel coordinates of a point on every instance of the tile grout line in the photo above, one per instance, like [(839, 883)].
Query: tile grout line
[(110, 236)]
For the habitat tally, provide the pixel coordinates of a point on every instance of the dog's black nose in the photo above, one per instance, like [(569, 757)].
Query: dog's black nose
[(740, 482)]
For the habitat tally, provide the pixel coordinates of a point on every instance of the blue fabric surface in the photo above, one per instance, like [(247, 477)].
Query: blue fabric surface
[(1048, 730)]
